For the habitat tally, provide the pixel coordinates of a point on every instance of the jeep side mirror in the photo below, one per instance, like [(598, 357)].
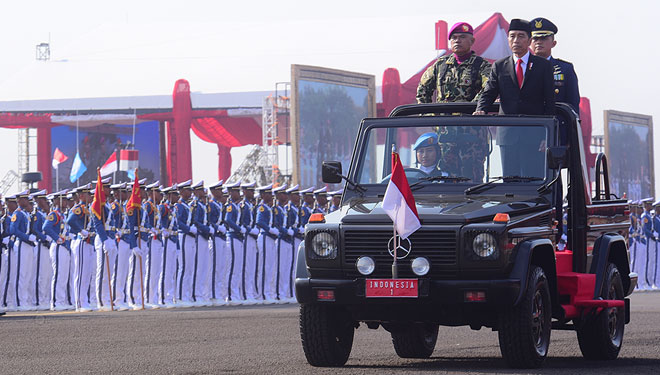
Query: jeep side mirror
[(331, 172), (557, 157)]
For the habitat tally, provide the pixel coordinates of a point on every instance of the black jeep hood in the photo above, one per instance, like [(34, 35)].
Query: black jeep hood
[(435, 209)]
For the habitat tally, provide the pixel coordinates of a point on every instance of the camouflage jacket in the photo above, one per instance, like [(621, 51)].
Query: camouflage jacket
[(456, 85)]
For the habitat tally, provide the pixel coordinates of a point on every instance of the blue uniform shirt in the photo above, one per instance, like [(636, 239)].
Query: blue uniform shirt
[(20, 225), (77, 219), (647, 224), (232, 220), (54, 225), (129, 226), (182, 215), (38, 218), (305, 213), (264, 219), (101, 224)]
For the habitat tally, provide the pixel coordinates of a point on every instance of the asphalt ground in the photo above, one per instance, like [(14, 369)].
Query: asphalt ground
[(265, 340)]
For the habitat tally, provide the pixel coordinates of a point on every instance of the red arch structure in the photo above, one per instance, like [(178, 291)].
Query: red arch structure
[(214, 126)]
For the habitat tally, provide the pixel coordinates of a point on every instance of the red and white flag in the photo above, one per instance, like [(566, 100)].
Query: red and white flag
[(399, 203), (110, 165), (58, 157), (128, 160)]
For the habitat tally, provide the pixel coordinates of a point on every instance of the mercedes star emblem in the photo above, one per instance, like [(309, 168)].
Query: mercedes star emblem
[(403, 250)]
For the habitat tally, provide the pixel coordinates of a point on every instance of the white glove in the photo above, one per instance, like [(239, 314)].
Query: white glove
[(109, 245), (193, 231), (32, 238), (274, 231), (289, 232), (254, 231), (60, 240), (655, 234), (5, 241), (222, 229), (153, 231), (211, 230), (71, 236), (165, 233), (243, 231), (84, 233)]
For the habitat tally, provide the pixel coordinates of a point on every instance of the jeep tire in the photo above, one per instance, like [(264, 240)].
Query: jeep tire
[(415, 341), (601, 336), (326, 333), (524, 331)]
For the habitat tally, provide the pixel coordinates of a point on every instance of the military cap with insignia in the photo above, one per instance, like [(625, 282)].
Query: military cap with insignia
[(249, 185), (646, 201), (152, 186), (542, 27), (217, 185), (308, 191), (22, 194), (119, 186), (461, 27), (280, 189), (426, 140), (38, 194), (184, 185), (336, 192), (11, 198), (84, 189), (656, 203), (265, 188), (105, 181), (232, 185), (199, 185), (293, 189), (321, 191), (520, 25)]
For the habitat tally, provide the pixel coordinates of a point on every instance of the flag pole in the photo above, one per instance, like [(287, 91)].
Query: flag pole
[(395, 270)]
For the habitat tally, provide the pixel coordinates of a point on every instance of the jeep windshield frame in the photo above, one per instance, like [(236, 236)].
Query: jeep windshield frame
[(392, 124)]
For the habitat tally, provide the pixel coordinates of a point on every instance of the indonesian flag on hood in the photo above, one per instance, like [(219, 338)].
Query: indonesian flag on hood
[(399, 203)]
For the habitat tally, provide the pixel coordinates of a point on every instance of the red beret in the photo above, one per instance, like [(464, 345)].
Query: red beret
[(461, 27)]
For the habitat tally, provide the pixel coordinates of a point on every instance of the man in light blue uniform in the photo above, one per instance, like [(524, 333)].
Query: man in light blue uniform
[(267, 244), (9, 258), (321, 204), (24, 245), (202, 266), (292, 212), (235, 236), (127, 246), (104, 243), (43, 270), (83, 257), (250, 250), (167, 282), (60, 254), (137, 261), (284, 241), (187, 242), (152, 227), (217, 244), (647, 257)]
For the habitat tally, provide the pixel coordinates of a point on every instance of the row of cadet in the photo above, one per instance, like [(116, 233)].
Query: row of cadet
[(644, 242), (153, 246)]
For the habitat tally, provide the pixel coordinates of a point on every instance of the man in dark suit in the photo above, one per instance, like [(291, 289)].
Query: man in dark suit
[(525, 85)]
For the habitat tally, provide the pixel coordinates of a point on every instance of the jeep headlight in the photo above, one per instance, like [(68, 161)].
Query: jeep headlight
[(324, 245), (484, 245)]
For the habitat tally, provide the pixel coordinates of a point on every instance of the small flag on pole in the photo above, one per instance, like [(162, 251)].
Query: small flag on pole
[(128, 160), (58, 157), (77, 169), (135, 201), (99, 197), (399, 203), (110, 165)]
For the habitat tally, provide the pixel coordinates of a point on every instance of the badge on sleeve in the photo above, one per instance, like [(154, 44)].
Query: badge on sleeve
[(228, 208), (13, 218), (261, 208), (77, 211), (51, 217), (275, 211)]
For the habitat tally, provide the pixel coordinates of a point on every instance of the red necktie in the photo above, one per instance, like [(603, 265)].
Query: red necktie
[(519, 73)]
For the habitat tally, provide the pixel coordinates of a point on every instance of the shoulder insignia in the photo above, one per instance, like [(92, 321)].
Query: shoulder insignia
[(13, 218), (77, 211), (34, 218), (302, 213), (208, 208), (228, 208), (51, 217), (275, 211), (646, 220), (261, 209)]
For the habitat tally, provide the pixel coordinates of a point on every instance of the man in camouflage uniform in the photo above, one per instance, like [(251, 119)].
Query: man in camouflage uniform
[(459, 77)]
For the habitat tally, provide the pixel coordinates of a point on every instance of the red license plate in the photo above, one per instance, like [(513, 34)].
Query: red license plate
[(391, 288)]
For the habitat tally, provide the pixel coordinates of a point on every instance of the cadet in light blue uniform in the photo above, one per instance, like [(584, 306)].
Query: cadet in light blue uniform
[(24, 245), (127, 246), (284, 240), (9, 259), (321, 204), (202, 267), (646, 257), (152, 227), (250, 274), (104, 244), (288, 254), (656, 231), (83, 257), (60, 254), (187, 243), (170, 248), (217, 244), (235, 233), (267, 244), (43, 271)]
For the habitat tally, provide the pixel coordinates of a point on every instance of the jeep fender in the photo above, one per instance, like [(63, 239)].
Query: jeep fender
[(538, 252), (610, 248), (301, 264)]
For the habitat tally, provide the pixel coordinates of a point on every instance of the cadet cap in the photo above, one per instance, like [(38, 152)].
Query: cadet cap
[(542, 27)]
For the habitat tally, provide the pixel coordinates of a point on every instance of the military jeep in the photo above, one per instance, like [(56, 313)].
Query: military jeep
[(498, 246)]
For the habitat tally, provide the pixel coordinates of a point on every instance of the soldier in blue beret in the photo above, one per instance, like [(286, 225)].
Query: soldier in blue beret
[(428, 152)]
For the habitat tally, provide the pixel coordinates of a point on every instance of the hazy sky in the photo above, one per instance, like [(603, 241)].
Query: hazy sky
[(127, 48)]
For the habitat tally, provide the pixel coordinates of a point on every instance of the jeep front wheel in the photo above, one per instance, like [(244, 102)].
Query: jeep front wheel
[(524, 332), (415, 341), (326, 333)]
